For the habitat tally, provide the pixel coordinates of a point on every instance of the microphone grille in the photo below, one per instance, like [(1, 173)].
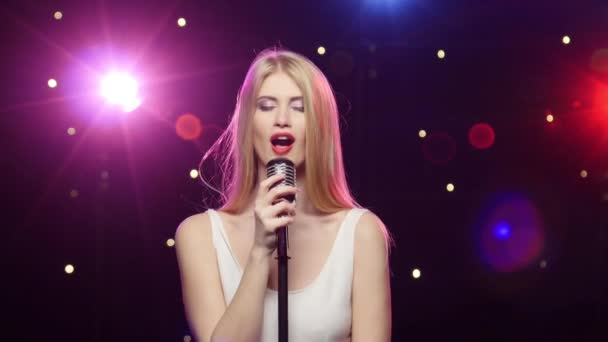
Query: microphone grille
[(282, 166)]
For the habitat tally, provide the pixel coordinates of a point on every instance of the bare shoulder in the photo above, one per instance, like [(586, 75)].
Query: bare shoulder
[(195, 229), (371, 234)]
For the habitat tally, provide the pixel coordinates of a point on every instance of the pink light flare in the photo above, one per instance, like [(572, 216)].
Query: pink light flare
[(121, 89)]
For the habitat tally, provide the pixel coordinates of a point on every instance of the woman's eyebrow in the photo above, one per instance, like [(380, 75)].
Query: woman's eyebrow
[(272, 98)]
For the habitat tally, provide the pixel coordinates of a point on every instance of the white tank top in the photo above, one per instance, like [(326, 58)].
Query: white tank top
[(320, 312)]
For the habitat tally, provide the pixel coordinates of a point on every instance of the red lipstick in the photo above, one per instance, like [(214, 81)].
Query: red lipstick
[(282, 142)]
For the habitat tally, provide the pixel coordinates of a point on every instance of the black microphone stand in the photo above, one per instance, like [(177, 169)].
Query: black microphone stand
[(282, 262)]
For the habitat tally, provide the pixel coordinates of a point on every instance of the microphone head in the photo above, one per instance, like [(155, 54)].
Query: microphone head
[(282, 166)]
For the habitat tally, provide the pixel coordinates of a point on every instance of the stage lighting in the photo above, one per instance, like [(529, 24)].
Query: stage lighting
[(416, 273), (74, 193), (69, 269), (121, 89)]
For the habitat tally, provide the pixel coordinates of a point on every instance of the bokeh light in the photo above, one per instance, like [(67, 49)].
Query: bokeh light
[(73, 193), (441, 54), (450, 187), (510, 232), (416, 273), (481, 136), (69, 268), (584, 174), (566, 40), (170, 242), (193, 173), (71, 131), (439, 148), (550, 118), (188, 126), (181, 22), (58, 15), (52, 83), (321, 50), (422, 133)]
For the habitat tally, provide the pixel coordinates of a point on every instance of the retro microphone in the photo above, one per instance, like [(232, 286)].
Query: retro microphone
[(286, 167)]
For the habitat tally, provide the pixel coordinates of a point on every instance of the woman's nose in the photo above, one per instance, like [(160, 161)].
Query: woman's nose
[(282, 117)]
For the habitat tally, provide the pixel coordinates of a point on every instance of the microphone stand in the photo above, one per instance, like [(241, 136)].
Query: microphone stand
[(282, 262)]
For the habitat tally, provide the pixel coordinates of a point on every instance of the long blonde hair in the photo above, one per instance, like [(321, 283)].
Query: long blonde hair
[(327, 186)]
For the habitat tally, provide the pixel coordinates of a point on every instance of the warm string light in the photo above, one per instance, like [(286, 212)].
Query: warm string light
[(441, 54), (321, 50), (416, 273), (181, 22)]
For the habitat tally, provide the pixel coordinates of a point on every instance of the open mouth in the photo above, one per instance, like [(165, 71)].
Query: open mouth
[(282, 143)]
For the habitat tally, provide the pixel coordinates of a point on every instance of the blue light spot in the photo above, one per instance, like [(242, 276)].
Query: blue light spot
[(502, 231)]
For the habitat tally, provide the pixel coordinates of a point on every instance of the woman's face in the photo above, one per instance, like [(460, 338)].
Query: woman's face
[(279, 121)]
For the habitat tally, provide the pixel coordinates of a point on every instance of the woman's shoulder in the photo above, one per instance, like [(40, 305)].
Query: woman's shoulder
[(194, 227)]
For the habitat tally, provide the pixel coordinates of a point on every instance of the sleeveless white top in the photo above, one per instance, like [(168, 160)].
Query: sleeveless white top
[(320, 312)]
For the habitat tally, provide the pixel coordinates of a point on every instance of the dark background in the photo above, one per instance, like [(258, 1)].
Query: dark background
[(505, 65)]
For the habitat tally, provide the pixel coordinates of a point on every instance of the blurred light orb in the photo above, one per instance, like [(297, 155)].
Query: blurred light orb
[(416, 273), (450, 187), (422, 133), (188, 126), (52, 83), (441, 54), (121, 89), (566, 40), (58, 15), (439, 148), (584, 173), (510, 233), (170, 242), (69, 268), (193, 174), (321, 50), (481, 136), (74, 193), (181, 22), (71, 131), (550, 118)]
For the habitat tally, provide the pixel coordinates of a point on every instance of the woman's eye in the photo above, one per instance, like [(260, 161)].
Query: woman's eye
[(265, 108), (299, 109)]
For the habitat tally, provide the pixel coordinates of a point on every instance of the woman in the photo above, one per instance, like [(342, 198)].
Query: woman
[(339, 285)]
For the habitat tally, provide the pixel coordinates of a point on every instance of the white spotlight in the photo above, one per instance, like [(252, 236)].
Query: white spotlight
[(121, 89)]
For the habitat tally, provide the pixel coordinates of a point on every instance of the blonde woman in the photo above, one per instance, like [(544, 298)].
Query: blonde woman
[(339, 284)]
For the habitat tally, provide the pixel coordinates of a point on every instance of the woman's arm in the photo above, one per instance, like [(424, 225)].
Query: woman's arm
[(371, 282), (203, 297)]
